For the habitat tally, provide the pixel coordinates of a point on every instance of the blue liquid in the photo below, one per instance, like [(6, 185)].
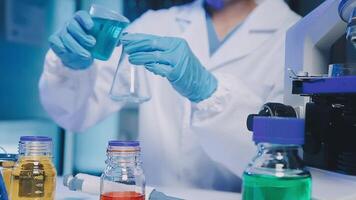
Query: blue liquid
[(3, 193), (107, 34)]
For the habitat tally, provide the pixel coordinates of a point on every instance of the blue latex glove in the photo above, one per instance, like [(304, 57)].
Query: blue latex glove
[(72, 43), (171, 58), (155, 195)]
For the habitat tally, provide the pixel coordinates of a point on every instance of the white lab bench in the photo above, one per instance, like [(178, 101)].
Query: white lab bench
[(326, 186), (332, 186), (63, 193)]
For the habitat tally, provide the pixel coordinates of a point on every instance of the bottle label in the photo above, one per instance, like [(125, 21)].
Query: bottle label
[(31, 182)]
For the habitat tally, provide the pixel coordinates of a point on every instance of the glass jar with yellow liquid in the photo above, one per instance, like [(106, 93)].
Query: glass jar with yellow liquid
[(34, 175)]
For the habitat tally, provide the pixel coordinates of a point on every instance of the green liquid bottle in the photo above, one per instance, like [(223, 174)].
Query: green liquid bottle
[(277, 172), (271, 187)]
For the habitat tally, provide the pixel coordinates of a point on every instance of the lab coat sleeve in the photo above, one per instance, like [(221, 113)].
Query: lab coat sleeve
[(77, 99)]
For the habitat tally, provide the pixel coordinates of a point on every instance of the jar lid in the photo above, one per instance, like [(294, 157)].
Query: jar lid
[(35, 139), (118, 143), (278, 130)]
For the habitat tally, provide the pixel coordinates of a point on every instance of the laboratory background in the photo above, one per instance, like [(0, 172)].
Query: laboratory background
[(25, 26)]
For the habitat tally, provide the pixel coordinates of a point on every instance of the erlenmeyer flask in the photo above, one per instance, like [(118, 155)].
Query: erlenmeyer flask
[(130, 83)]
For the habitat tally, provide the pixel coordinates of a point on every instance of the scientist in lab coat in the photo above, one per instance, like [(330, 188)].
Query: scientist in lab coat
[(208, 64)]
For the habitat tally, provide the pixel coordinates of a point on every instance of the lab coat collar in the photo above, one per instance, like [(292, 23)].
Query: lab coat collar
[(267, 17), (192, 21), (190, 12)]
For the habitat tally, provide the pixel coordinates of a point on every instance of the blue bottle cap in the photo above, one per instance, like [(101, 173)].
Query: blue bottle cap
[(278, 130), (35, 139), (118, 143)]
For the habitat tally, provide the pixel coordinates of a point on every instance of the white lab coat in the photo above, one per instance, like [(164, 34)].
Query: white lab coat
[(185, 143)]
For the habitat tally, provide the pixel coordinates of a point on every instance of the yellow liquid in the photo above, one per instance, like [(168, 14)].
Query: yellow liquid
[(6, 172), (33, 178)]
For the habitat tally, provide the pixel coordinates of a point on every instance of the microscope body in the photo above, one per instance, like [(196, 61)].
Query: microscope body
[(322, 92)]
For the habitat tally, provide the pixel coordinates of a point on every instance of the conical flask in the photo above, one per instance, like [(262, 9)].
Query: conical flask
[(130, 83)]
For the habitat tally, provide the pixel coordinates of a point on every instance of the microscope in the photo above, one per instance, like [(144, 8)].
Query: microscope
[(320, 91)]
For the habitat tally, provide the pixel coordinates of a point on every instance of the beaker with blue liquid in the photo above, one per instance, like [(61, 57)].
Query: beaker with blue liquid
[(108, 27)]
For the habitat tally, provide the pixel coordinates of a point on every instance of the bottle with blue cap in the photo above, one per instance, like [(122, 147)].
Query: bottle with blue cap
[(277, 171), (123, 177), (34, 175)]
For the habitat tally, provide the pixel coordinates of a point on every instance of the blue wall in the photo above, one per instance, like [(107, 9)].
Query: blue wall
[(21, 65), (20, 68)]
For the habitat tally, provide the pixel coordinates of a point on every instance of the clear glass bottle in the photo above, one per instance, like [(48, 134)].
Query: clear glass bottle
[(277, 171), (123, 177), (34, 175)]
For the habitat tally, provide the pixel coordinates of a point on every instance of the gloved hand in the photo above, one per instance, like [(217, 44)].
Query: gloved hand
[(155, 195), (71, 43), (171, 58)]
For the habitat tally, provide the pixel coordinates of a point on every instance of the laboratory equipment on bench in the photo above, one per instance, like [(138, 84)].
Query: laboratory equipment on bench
[(322, 92), (107, 30), (277, 172), (327, 90), (7, 162), (123, 171), (34, 175)]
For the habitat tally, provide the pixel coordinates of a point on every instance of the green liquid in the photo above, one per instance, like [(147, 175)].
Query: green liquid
[(265, 187), (107, 34)]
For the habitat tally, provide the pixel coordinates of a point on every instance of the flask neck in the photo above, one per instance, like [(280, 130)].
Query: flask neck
[(35, 148)]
